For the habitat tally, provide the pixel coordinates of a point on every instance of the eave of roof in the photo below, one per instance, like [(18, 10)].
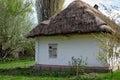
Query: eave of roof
[(78, 17)]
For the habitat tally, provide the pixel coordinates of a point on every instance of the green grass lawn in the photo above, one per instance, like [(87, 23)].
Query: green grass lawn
[(19, 70), (16, 63)]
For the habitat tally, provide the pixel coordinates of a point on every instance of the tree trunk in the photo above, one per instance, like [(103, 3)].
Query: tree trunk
[(1, 51), (47, 8)]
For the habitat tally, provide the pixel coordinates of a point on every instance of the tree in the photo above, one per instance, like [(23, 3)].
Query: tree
[(47, 8), (109, 49), (112, 11), (14, 23)]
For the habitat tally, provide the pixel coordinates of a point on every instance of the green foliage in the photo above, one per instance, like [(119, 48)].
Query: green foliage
[(21, 67), (15, 21), (19, 70), (15, 63), (47, 8), (109, 43), (97, 76), (78, 64)]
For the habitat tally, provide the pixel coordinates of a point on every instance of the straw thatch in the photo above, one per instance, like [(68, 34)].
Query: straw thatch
[(78, 18)]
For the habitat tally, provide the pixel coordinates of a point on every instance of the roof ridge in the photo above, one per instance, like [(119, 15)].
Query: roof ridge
[(86, 19)]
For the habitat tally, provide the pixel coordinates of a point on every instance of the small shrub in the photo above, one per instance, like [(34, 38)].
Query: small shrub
[(78, 65)]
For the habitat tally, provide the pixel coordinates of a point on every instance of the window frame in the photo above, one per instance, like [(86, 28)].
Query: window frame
[(52, 50)]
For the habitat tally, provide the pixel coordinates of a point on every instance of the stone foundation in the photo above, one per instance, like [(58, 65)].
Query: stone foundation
[(43, 67)]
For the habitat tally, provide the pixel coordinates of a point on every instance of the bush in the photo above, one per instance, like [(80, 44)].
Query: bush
[(78, 65)]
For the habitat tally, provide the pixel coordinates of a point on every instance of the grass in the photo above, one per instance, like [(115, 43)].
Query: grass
[(29, 78), (16, 63), (19, 70), (96, 76), (107, 76)]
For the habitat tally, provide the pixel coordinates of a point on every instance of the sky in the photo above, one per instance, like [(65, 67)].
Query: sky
[(93, 2), (113, 7), (108, 3)]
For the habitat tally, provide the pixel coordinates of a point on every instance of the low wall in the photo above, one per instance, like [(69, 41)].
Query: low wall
[(88, 69)]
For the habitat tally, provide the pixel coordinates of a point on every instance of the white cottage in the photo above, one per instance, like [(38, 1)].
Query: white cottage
[(68, 34)]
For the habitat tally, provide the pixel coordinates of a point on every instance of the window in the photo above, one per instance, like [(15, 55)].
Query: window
[(52, 50)]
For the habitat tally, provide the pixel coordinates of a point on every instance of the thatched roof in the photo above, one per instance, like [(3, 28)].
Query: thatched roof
[(77, 18)]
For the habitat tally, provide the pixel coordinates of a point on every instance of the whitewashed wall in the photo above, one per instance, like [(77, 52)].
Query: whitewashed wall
[(77, 45)]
